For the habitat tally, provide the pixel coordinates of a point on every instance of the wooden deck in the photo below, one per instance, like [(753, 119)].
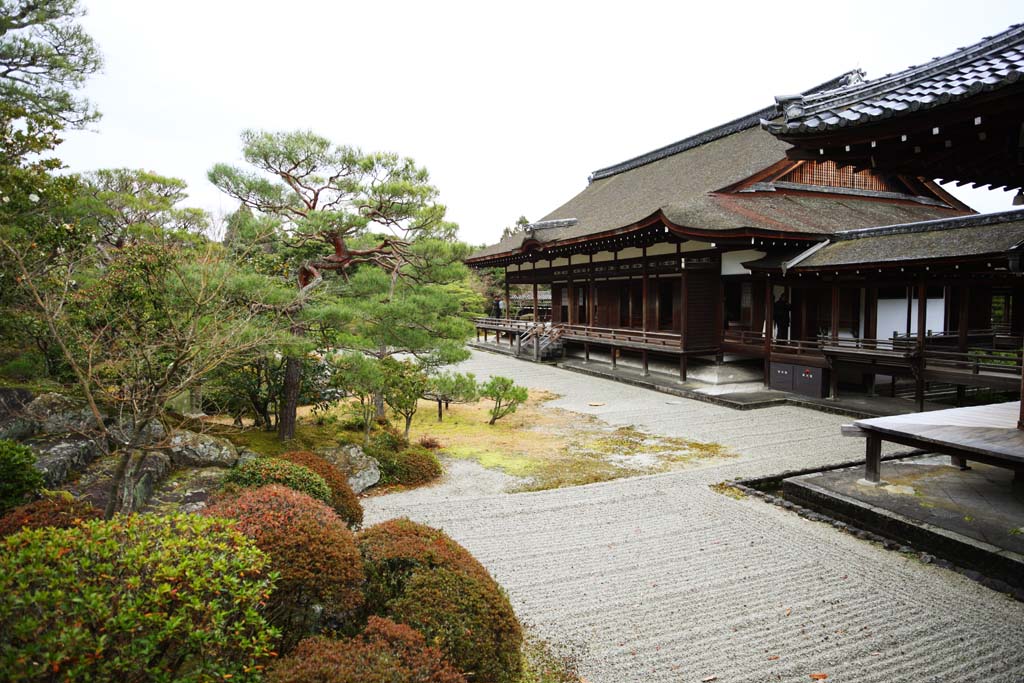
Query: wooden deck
[(985, 434)]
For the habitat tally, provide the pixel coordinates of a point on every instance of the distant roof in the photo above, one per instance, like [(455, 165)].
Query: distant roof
[(993, 63), (966, 236)]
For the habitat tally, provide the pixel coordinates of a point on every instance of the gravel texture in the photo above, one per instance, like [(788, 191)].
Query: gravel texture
[(659, 578)]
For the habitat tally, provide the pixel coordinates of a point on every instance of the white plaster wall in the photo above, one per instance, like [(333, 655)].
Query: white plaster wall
[(892, 316)]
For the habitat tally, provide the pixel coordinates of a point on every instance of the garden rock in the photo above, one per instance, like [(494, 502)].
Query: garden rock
[(122, 433), (247, 454), (58, 459), (146, 471), (362, 470), (13, 424), (56, 414), (190, 449)]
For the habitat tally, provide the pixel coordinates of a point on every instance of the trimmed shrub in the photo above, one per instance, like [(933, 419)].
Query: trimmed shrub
[(139, 598), (253, 474), (343, 499), (385, 652), (18, 474), (412, 466), (470, 620), (461, 608), (60, 511), (320, 573)]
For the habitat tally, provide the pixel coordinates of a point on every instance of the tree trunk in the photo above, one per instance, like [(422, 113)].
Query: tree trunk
[(379, 410), (439, 413), (367, 423), (408, 424), (290, 399)]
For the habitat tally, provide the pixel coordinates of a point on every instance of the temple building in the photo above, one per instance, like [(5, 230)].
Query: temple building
[(809, 239)]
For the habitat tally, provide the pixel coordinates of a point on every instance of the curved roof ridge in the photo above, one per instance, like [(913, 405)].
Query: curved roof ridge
[(710, 135), (817, 101), (974, 220)]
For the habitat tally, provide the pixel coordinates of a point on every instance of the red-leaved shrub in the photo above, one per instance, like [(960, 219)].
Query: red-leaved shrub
[(57, 511), (312, 550), (343, 499), (430, 442), (419, 576), (469, 619), (385, 652)]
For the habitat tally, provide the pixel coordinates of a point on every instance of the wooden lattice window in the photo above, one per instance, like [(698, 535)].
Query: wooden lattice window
[(828, 174)]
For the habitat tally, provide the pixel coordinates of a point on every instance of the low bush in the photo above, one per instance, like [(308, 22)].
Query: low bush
[(421, 577), (392, 550), (411, 466), (60, 511), (388, 440), (385, 652), (314, 553), (27, 366), (430, 442), (343, 499), (139, 598), (263, 471), (18, 474), (470, 620)]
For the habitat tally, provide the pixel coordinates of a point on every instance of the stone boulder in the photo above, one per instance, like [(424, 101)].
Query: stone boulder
[(13, 423), (58, 459), (145, 472), (123, 431), (362, 470), (57, 414), (190, 449)]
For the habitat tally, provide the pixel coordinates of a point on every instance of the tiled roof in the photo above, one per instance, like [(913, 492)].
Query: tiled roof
[(988, 234), (993, 63)]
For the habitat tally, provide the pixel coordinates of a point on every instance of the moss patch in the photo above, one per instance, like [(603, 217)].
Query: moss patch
[(551, 448)]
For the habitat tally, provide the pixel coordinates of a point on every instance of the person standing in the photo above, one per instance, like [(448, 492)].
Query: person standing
[(496, 307), (780, 313)]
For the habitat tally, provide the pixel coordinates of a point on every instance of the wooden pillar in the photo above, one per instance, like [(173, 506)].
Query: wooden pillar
[(873, 459), (769, 328), (834, 329), (485, 335), (570, 291), (586, 352), (682, 367), (684, 304), (871, 328), (910, 305), (508, 299), (643, 303), (922, 322), (536, 306), (803, 314), (614, 351), (590, 292), (644, 357), (962, 316)]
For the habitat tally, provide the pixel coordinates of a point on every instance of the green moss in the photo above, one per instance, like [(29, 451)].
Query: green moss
[(728, 490), (308, 437)]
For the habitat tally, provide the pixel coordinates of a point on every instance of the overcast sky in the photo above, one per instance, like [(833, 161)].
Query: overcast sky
[(509, 105)]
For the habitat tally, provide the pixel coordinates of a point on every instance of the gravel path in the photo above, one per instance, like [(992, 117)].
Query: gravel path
[(660, 579)]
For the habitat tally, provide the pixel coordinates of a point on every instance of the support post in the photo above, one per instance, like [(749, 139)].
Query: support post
[(922, 322), (614, 352), (833, 373), (644, 354), (873, 459), (508, 299), (536, 306), (963, 313), (586, 352), (682, 367), (590, 293), (643, 303), (769, 327)]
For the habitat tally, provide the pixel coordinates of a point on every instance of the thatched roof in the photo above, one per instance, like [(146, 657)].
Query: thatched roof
[(957, 238)]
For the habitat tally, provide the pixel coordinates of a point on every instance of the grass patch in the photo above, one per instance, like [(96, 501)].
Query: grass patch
[(309, 436)]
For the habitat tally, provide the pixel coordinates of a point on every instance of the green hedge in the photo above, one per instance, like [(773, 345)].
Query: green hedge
[(139, 598)]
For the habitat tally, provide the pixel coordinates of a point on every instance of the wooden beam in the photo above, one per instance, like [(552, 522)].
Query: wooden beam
[(769, 323), (536, 305)]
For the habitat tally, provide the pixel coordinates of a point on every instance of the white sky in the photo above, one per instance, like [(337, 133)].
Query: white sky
[(509, 105)]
